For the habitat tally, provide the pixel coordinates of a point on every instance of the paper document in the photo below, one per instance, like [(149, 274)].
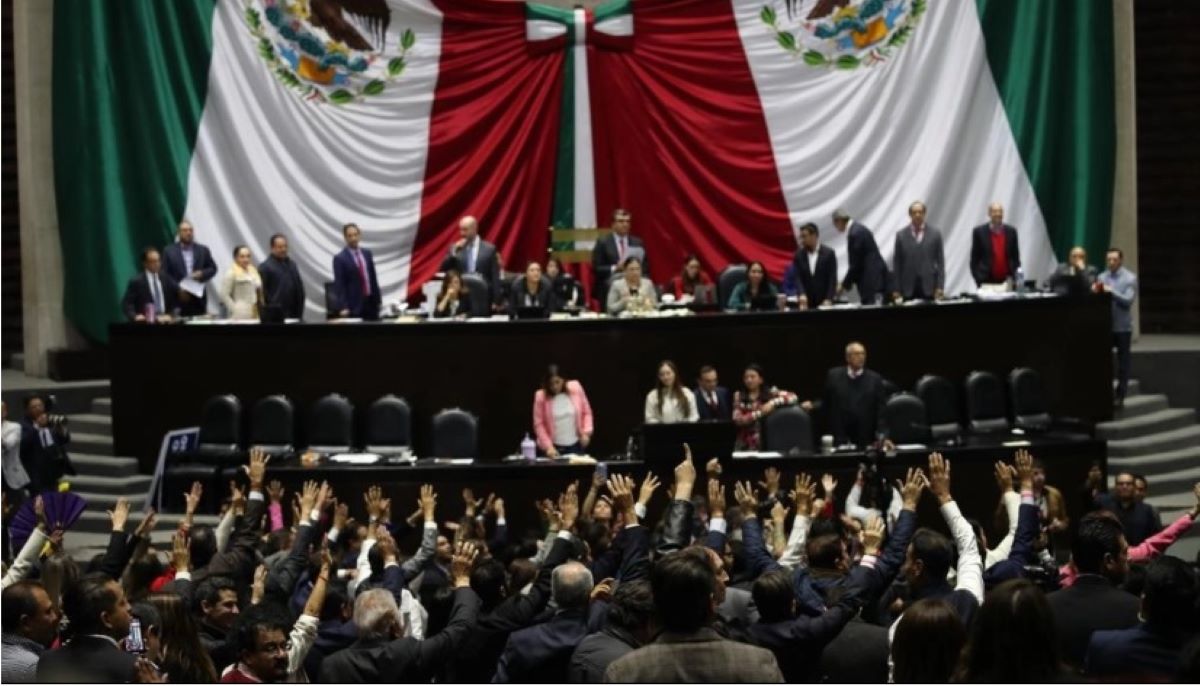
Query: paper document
[(193, 287)]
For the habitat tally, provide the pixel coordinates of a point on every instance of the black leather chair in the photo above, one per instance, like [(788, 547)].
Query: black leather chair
[(331, 425), (1026, 402), (906, 420), (220, 427), (389, 426), (941, 406), (272, 425), (789, 431), (455, 434), (730, 277), (481, 299), (218, 446), (985, 403)]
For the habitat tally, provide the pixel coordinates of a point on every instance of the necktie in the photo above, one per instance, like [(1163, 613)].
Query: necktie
[(47, 439), (621, 249), (471, 257), (158, 297), (362, 272), (712, 400)]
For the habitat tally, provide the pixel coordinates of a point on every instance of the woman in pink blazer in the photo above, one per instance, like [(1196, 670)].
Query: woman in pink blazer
[(562, 416)]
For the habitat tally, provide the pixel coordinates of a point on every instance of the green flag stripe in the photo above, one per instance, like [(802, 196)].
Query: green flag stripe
[(563, 215), (139, 69), (535, 10), (1053, 67), (612, 9)]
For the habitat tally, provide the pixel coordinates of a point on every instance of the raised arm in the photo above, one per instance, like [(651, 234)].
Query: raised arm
[(802, 496), (24, 562), (970, 565), (1158, 543), (428, 504), (677, 529), (282, 579)]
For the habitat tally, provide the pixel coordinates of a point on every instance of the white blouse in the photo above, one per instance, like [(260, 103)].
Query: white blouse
[(239, 293), (566, 430), (672, 412)]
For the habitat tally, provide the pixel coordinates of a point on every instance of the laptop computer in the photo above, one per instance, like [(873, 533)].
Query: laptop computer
[(662, 444)]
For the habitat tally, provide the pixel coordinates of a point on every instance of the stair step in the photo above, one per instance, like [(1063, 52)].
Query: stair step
[(98, 424), (90, 483), (104, 465), (96, 520), (1177, 439), (1147, 424), (1135, 388), (102, 406), (1174, 483), (92, 444), (106, 501), (1142, 405), (1157, 463)]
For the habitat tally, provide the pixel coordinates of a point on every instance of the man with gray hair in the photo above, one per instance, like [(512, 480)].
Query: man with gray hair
[(542, 653), (382, 654), (868, 271)]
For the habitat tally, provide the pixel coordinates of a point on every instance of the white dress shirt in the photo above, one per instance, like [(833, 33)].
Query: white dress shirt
[(672, 412)]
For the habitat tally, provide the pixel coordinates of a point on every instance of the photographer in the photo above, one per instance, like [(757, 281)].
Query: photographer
[(44, 438)]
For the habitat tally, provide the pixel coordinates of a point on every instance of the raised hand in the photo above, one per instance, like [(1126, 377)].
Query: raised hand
[(341, 516), (603, 590), (872, 536), (746, 498), (258, 589), (621, 488), (685, 475), (192, 498), (778, 512), (650, 484), (770, 482), (1024, 470), (713, 468), (568, 505), (716, 499), (308, 498), (1004, 476), (910, 489), (460, 564), (373, 499), (275, 491), (146, 525), (828, 485), (237, 497), (257, 469), (323, 496), (181, 557), (1196, 493), (803, 494), (39, 513), (119, 514), (939, 478), (470, 502)]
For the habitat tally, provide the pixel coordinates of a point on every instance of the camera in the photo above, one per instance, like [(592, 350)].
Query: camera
[(54, 421)]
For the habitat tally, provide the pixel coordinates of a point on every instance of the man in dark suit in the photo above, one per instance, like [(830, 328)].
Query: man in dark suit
[(383, 654), (1094, 602), (995, 253), (470, 254), (610, 252), (100, 615), (629, 625), (712, 399), (188, 259), (689, 650), (282, 285), (354, 278), (816, 269), (44, 441), (151, 287), (919, 261), (853, 400), (542, 652), (868, 272), (1137, 518)]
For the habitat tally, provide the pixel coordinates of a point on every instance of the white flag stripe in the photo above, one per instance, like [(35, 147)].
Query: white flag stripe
[(585, 172), (928, 125), (618, 25), (543, 29)]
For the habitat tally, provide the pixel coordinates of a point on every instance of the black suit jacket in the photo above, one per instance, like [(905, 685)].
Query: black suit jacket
[(283, 286), (605, 257), (138, 295), (822, 285), (542, 653), (45, 465), (1090, 604), (858, 655), (544, 298), (724, 405), (86, 659), (867, 269), (487, 265), (175, 267), (981, 252), (403, 660), (855, 416), (348, 284)]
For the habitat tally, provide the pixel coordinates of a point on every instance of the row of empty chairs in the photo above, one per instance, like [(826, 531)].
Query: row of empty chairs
[(932, 412)]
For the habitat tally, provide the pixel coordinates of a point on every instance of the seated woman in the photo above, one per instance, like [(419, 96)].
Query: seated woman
[(670, 402), (630, 292), (756, 286), (241, 289), (751, 403), (531, 290), (454, 300), (568, 293), (562, 416), (684, 285)]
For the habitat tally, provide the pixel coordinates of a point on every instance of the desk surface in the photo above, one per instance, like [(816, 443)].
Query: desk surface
[(161, 375)]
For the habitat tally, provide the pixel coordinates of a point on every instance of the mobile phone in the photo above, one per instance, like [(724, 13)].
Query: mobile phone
[(133, 642), (602, 470)]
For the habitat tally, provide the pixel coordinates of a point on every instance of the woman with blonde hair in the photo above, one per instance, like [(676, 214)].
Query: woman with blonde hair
[(241, 289), (184, 660)]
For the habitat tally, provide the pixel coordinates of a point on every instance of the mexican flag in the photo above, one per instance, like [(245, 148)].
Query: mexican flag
[(721, 125)]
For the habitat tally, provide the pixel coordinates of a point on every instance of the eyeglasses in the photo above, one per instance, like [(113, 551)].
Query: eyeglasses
[(271, 648)]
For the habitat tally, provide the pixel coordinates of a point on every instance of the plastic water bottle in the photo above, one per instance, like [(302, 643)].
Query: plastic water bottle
[(529, 449), (1020, 280)]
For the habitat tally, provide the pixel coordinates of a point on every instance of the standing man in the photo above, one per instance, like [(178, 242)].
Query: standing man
[(43, 446), (1138, 520), (151, 287), (100, 616), (470, 254), (15, 476), (853, 400), (188, 259), (868, 272), (920, 259), (1123, 285), (995, 254), (354, 278), (816, 269), (712, 399), (282, 286), (610, 252)]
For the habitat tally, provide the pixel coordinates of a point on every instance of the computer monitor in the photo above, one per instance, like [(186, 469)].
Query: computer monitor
[(662, 444)]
